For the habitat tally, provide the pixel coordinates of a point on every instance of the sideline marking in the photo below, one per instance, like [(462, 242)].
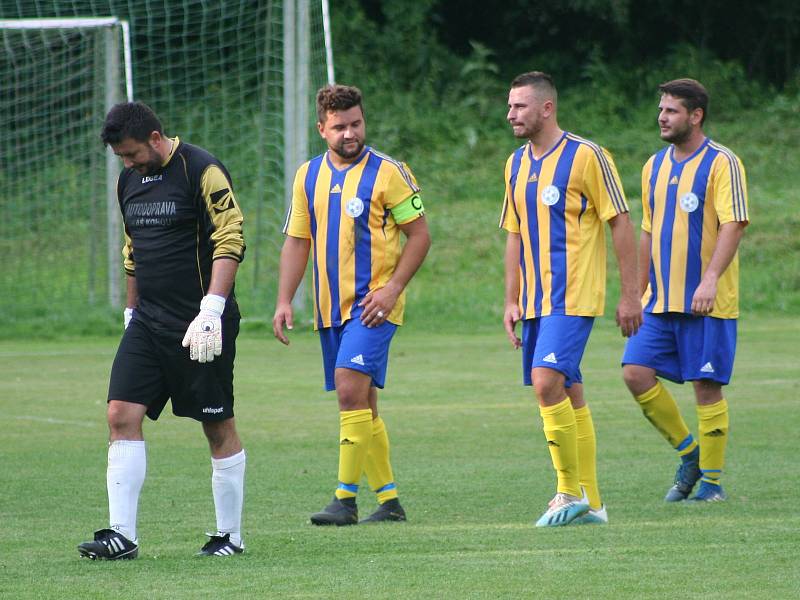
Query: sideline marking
[(52, 420)]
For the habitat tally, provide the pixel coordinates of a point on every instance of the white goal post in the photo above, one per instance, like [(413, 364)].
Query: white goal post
[(81, 23), (296, 95), (110, 27), (237, 78)]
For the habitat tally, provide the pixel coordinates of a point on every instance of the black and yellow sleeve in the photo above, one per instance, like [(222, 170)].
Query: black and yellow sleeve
[(127, 256), (225, 214)]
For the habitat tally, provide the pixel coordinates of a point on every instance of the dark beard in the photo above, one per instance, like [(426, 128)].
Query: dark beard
[(348, 155), (678, 137), (151, 167), (529, 134)]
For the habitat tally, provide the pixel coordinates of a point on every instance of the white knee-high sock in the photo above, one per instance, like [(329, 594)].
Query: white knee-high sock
[(227, 484), (127, 464)]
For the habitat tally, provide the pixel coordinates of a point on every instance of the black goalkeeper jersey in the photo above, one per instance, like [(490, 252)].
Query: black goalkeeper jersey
[(178, 220)]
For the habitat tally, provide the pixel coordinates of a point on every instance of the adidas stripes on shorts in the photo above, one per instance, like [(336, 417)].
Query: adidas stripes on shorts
[(354, 346), (682, 347), (556, 342)]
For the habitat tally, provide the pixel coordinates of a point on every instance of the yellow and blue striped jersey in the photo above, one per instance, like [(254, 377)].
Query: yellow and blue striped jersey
[(355, 239), (684, 203), (558, 205)]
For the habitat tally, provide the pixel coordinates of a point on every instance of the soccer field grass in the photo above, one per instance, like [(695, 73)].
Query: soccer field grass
[(470, 461)]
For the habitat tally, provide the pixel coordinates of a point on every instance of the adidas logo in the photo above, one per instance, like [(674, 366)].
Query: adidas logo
[(674, 180), (707, 368), (336, 189), (359, 360), (533, 178), (346, 442), (716, 433), (551, 358), (553, 443), (114, 544)]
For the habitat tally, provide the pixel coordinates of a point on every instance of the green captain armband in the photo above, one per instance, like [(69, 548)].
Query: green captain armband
[(408, 209)]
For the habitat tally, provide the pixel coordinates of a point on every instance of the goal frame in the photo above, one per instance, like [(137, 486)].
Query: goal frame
[(112, 26)]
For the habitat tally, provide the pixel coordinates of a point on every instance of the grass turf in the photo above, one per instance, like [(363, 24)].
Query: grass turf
[(469, 457)]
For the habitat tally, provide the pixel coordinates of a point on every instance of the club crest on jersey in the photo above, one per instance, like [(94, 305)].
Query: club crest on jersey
[(550, 195), (354, 207), (689, 202)]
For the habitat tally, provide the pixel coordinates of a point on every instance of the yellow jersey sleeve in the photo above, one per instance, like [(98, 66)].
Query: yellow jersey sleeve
[(509, 220), (730, 189), (400, 185), (602, 184), (225, 214), (298, 221), (647, 217)]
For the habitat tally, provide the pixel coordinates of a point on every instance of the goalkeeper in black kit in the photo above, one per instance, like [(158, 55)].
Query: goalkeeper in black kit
[(183, 246)]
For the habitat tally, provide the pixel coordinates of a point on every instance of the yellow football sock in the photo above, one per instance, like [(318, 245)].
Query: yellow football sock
[(587, 455), (660, 408), (378, 467), (355, 436), (561, 433), (712, 425)]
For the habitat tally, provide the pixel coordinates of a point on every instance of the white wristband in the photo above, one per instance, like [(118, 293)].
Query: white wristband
[(213, 304)]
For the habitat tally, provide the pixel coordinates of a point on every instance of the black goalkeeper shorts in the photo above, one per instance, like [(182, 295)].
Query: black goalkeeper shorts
[(150, 368)]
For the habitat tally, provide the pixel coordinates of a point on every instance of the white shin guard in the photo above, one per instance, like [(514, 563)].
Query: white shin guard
[(127, 464), (227, 484)]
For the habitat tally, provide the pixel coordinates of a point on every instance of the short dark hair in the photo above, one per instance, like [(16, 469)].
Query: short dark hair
[(537, 80), (337, 97), (690, 92), (134, 120)]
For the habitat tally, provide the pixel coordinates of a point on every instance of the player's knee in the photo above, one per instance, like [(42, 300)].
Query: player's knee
[(707, 391), (549, 385), (352, 390), (638, 379), (630, 376), (351, 399), (222, 437), (215, 437), (124, 421)]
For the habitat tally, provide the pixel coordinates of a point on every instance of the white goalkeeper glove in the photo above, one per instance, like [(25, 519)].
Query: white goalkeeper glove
[(204, 336), (127, 316)]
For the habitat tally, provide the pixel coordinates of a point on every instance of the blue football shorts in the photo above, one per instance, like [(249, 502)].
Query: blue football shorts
[(357, 347), (682, 347), (556, 342)]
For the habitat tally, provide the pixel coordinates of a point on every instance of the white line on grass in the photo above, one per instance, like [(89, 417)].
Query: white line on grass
[(45, 353), (53, 421)]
